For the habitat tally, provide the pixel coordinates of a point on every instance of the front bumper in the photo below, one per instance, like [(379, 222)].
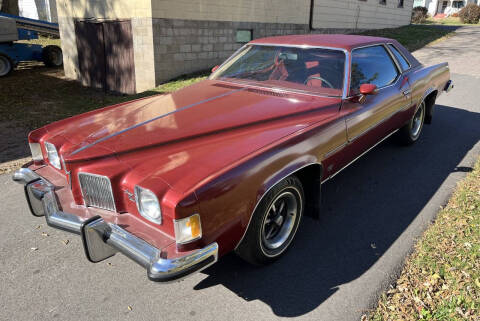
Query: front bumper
[(102, 239)]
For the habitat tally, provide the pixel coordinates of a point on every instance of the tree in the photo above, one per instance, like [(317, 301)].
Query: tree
[(10, 7)]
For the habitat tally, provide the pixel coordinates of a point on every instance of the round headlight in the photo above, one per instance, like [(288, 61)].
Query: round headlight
[(147, 204)]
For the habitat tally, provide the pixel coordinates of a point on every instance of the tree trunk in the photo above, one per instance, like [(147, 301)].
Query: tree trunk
[(10, 7)]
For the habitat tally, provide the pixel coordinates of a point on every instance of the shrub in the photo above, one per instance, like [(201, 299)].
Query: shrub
[(470, 14), (419, 14), (455, 15)]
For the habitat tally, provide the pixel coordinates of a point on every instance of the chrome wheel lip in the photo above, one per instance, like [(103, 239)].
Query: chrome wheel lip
[(275, 245), (417, 121), (4, 66)]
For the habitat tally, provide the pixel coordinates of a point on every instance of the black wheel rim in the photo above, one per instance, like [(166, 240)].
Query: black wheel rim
[(280, 221)]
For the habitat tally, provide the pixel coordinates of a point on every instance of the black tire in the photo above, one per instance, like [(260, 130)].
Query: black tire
[(52, 56), (410, 132), (260, 249), (6, 65)]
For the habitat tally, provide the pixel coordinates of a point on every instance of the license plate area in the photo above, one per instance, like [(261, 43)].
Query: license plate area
[(95, 231)]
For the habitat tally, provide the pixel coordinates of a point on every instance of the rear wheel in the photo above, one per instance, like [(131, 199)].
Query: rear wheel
[(411, 131), (52, 56), (5, 65), (274, 223)]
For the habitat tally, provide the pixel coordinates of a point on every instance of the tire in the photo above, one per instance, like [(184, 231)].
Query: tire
[(273, 226), (6, 65), (52, 56), (410, 132)]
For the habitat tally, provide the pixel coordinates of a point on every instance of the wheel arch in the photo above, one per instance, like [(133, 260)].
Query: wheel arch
[(429, 99), (309, 173)]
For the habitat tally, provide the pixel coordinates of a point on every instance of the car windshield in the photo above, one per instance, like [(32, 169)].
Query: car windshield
[(315, 70)]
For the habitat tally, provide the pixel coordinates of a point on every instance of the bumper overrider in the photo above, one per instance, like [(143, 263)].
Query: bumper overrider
[(101, 239)]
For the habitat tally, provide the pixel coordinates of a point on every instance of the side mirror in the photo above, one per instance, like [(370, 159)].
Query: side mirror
[(215, 68), (368, 89)]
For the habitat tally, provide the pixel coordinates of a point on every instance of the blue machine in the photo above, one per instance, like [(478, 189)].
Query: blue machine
[(13, 28)]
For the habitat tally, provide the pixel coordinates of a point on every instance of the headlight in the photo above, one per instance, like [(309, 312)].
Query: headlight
[(188, 229), (147, 204), (36, 151), (52, 155)]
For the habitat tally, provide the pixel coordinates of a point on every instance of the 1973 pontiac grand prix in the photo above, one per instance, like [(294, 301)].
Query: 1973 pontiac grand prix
[(231, 163)]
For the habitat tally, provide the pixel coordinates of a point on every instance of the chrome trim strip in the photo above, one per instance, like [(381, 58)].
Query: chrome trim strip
[(158, 268), (346, 67), (401, 54), (153, 119), (353, 161), (265, 193), (336, 149)]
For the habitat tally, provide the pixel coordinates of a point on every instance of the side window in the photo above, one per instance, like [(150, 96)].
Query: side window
[(372, 65), (401, 60)]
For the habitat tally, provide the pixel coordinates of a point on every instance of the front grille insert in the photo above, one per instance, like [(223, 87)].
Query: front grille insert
[(97, 191)]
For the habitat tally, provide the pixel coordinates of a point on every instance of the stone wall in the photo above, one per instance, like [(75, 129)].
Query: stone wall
[(185, 46)]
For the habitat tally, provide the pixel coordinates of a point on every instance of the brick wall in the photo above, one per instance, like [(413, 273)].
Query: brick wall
[(185, 46)]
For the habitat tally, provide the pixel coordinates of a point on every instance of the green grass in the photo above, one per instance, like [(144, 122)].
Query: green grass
[(441, 279), (448, 21), (413, 37), (35, 95)]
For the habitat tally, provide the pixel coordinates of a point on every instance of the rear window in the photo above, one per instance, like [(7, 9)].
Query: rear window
[(401, 60)]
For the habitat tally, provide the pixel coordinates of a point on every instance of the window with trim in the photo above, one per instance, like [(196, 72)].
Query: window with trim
[(384, 2), (400, 58), (372, 65), (400, 3), (243, 36)]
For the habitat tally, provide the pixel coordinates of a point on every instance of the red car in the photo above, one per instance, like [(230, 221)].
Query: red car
[(231, 163)]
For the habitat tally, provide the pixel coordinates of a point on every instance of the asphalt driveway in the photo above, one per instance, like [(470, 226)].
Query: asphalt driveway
[(372, 214)]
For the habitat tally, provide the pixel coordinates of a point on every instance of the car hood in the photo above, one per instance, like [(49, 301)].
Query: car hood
[(210, 123)]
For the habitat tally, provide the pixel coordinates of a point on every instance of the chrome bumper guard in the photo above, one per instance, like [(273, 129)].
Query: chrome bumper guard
[(448, 86), (101, 240)]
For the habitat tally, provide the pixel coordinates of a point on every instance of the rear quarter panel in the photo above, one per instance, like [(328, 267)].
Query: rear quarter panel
[(425, 80)]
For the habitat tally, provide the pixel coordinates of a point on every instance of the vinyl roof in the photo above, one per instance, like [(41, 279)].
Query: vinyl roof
[(347, 42)]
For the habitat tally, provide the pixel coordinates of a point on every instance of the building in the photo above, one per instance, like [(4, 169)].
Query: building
[(131, 46), (446, 7)]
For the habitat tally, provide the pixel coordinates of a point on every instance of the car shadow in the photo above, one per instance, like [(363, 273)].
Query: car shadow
[(364, 210)]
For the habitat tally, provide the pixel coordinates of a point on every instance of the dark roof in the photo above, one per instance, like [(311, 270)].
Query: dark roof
[(323, 40)]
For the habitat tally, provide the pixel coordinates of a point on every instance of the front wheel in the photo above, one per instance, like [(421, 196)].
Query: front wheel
[(410, 132), (274, 223)]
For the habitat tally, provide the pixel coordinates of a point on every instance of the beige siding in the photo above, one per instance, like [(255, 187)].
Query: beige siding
[(109, 9), (356, 14), (272, 11)]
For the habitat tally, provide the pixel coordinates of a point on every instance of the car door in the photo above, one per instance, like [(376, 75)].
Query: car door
[(369, 121)]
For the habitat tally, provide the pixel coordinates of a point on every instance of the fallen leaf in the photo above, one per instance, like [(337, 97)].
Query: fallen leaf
[(38, 227), (477, 282), (44, 234), (66, 242), (33, 248), (129, 308), (373, 245)]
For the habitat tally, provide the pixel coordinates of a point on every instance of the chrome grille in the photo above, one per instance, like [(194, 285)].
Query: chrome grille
[(97, 191)]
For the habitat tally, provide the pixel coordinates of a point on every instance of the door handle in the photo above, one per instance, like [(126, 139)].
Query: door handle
[(407, 92)]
